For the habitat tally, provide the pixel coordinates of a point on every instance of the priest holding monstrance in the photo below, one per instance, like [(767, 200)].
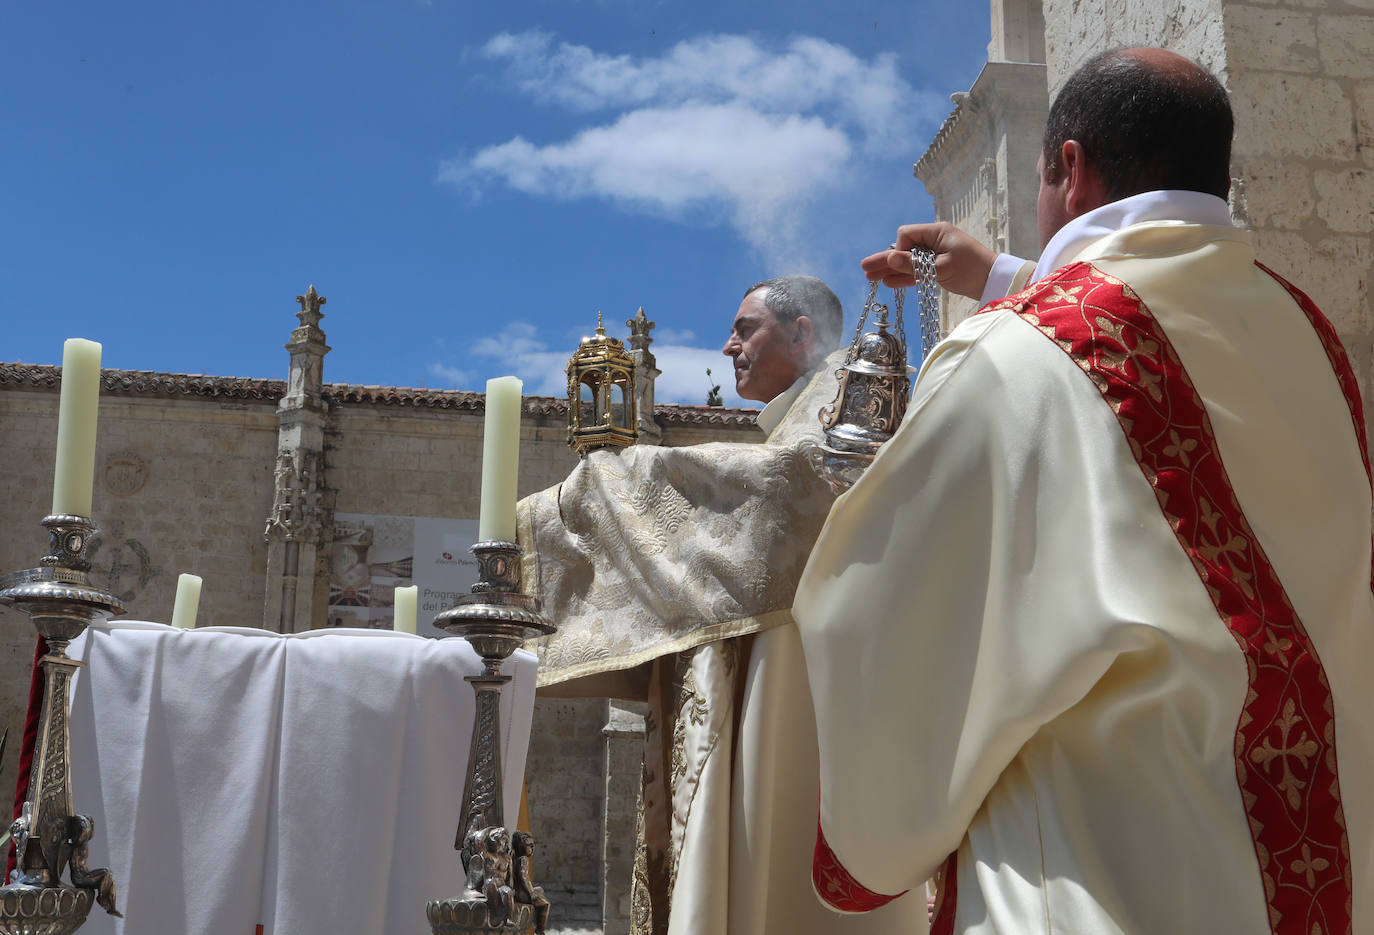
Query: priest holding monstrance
[(671, 573)]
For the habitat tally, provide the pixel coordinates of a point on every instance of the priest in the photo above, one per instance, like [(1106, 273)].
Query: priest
[(1091, 638), (671, 574)]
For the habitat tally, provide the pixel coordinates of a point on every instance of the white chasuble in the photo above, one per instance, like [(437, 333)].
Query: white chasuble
[(1093, 635), (647, 550), (670, 573)]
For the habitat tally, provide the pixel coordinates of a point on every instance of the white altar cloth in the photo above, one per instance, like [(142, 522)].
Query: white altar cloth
[(307, 783)]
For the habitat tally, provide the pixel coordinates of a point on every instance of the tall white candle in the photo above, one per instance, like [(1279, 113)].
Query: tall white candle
[(404, 609), (500, 460), (76, 414), (188, 602)]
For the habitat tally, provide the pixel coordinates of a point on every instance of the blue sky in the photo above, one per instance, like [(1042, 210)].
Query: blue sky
[(467, 183)]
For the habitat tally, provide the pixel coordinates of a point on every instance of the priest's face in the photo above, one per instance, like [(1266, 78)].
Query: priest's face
[(769, 354)]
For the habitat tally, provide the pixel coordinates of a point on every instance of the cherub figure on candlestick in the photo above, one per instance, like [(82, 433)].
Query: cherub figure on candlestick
[(101, 879), (525, 889), (488, 858)]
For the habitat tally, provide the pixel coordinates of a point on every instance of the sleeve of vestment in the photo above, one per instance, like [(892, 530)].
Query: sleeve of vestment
[(959, 595), (1009, 274)]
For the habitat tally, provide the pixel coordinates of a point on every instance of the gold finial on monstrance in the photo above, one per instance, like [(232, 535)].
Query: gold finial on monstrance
[(601, 394)]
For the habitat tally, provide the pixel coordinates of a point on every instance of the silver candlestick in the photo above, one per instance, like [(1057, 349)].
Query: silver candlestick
[(48, 838), (499, 895)]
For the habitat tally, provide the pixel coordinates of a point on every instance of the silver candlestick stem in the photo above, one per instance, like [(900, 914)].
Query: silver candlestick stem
[(499, 895), (48, 838)]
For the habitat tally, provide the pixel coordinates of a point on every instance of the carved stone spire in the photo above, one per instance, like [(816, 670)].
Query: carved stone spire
[(310, 313), (645, 373), (302, 506), (307, 347), (640, 326)]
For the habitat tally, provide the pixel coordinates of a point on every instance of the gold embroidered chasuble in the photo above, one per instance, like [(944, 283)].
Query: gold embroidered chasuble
[(647, 550)]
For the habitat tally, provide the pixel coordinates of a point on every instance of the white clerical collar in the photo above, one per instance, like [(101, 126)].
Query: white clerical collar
[(770, 415), (1086, 229)]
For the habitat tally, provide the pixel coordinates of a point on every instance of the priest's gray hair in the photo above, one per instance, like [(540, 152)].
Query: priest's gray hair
[(790, 297)]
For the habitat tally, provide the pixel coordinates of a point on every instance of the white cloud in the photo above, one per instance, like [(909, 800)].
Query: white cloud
[(696, 158), (454, 377), (675, 159), (525, 355), (683, 378), (675, 336), (719, 127), (804, 75)]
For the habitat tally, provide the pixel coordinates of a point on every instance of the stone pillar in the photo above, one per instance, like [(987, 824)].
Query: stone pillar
[(624, 764), (1018, 31), (646, 372), (302, 507)]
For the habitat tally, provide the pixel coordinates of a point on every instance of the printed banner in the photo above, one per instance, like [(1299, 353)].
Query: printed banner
[(373, 555)]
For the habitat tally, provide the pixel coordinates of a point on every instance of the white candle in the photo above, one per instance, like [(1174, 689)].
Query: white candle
[(500, 460), (76, 413), (403, 609), (188, 602)]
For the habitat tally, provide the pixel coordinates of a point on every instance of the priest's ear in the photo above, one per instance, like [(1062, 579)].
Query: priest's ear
[(1084, 189), (804, 333)]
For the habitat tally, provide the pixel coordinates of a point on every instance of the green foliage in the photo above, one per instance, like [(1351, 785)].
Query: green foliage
[(713, 397)]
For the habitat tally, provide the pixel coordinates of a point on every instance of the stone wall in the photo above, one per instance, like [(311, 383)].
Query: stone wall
[(181, 485), (153, 461), (1076, 30), (419, 462), (1301, 76)]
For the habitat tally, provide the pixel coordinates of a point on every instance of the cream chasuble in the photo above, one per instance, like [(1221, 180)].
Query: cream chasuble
[(670, 572), (1097, 624)]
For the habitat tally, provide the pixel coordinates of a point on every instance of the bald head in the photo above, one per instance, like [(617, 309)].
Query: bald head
[(1147, 120)]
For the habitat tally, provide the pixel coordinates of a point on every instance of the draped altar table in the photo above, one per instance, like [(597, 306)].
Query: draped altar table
[(306, 783)]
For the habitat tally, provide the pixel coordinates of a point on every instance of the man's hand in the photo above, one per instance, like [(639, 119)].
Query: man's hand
[(962, 264)]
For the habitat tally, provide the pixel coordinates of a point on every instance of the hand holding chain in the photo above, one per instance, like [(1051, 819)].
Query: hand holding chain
[(927, 303)]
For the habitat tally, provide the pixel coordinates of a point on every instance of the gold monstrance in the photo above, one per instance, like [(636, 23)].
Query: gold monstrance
[(601, 394)]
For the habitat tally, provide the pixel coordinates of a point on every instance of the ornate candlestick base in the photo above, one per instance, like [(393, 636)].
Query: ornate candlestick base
[(48, 838), (43, 910), (471, 913), (500, 895)]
